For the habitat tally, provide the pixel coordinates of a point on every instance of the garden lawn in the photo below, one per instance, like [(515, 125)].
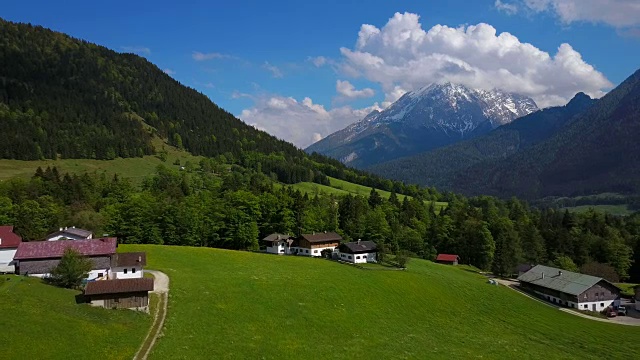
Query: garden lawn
[(41, 321), (240, 305)]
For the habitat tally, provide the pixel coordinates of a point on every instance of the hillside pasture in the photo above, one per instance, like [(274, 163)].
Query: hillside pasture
[(240, 305), (44, 322)]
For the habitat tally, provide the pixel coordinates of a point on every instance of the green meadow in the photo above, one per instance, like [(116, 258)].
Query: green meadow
[(41, 321), (241, 305)]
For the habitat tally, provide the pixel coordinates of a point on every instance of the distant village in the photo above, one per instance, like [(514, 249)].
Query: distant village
[(117, 280)]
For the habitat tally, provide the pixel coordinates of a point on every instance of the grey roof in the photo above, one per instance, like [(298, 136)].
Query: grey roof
[(561, 280), (72, 231), (276, 236), (359, 247)]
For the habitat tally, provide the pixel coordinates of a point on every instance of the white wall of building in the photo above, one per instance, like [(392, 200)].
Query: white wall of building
[(131, 272), (6, 256), (357, 258), (280, 248), (585, 306)]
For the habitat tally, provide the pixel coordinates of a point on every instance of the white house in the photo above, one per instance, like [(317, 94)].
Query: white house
[(9, 242), (278, 244), (316, 243), (570, 289), (127, 265), (358, 252), (70, 233)]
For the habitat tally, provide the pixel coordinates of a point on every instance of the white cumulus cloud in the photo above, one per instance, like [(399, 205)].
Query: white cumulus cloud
[(199, 56), (402, 56), (136, 49), (169, 71), (347, 90), (300, 122)]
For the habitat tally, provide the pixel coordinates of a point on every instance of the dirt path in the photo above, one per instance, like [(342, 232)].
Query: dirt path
[(160, 287), (618, 320)]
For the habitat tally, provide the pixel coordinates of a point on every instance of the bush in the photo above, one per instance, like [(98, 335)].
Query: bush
[(71, 270), (402, 258)]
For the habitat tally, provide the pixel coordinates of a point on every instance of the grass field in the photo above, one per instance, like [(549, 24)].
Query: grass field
[(44, 322), (128, 168), (611, 209), (240, 305)]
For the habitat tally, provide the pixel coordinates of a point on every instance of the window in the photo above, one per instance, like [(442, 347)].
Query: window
[(133, 270), (307, 251), (100, 275), (602, 293), (125, 270), (349, 257), (358, 257), (601, 304), (586, 306), (315, 251)]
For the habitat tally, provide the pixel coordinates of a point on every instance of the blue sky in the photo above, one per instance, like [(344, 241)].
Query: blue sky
[(302, 69)]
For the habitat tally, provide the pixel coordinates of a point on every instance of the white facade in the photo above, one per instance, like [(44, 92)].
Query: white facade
[(596, 306), (6, 257), (279, 247), (358, 258), (315, 252), (130, 272)]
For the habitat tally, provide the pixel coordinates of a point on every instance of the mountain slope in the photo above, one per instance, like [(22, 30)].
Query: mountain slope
[(440, 166), (595, 152), (64, 97), (428, 118)]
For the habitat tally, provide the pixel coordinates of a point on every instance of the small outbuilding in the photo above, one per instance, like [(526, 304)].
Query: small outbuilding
[(358, 251), (128, 265), (449, 259), (119, 293)]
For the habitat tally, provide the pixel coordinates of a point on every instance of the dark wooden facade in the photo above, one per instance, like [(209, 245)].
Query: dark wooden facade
[(121, 301), (602, 291), (304, 243), (44, 266)]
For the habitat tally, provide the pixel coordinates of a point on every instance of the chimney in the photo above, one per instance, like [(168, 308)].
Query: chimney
[(325, 231), (560, 273), (543, 275), (358, 241), (60, 229), (139, 259), (314, 233)]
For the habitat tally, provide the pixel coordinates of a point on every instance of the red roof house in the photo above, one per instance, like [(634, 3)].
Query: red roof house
[(450, 259), (9, 239), (40, 257), (9, 242)]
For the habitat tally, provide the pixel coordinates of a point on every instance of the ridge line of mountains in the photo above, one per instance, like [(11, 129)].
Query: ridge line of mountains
[(585, 147)]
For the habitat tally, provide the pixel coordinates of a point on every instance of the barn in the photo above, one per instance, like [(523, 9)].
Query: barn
[(449, 259), (570, 289), (120, 293)]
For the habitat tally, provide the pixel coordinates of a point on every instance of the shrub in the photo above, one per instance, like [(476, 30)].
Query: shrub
[(71, 270)]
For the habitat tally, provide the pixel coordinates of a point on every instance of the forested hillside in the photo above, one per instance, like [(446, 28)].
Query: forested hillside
[(198, 207), (440, 167), (62, 97)]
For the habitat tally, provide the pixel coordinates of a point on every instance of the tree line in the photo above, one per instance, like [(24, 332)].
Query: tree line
[(236, 208)]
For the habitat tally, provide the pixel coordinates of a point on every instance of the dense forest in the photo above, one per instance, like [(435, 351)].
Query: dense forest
[(592, 152), (199, 207)]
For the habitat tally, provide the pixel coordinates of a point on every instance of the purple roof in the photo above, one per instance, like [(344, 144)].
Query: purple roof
[(55, 249)]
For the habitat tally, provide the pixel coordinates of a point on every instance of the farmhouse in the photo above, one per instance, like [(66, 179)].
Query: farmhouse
[(358, 251), (583, 292), (448, 259), (127, 265), (278, 244), (314, 244), (119, 293), (70, 233), (9, 242), (38, 258)]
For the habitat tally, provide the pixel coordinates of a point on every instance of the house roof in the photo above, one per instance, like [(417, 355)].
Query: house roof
[(359, 247), (129, 259), (276, 237), (118, 286), (55, 249), (321, 237), (447, 257), (568, 282), (524, 267), (72, 231), (9, 239)]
